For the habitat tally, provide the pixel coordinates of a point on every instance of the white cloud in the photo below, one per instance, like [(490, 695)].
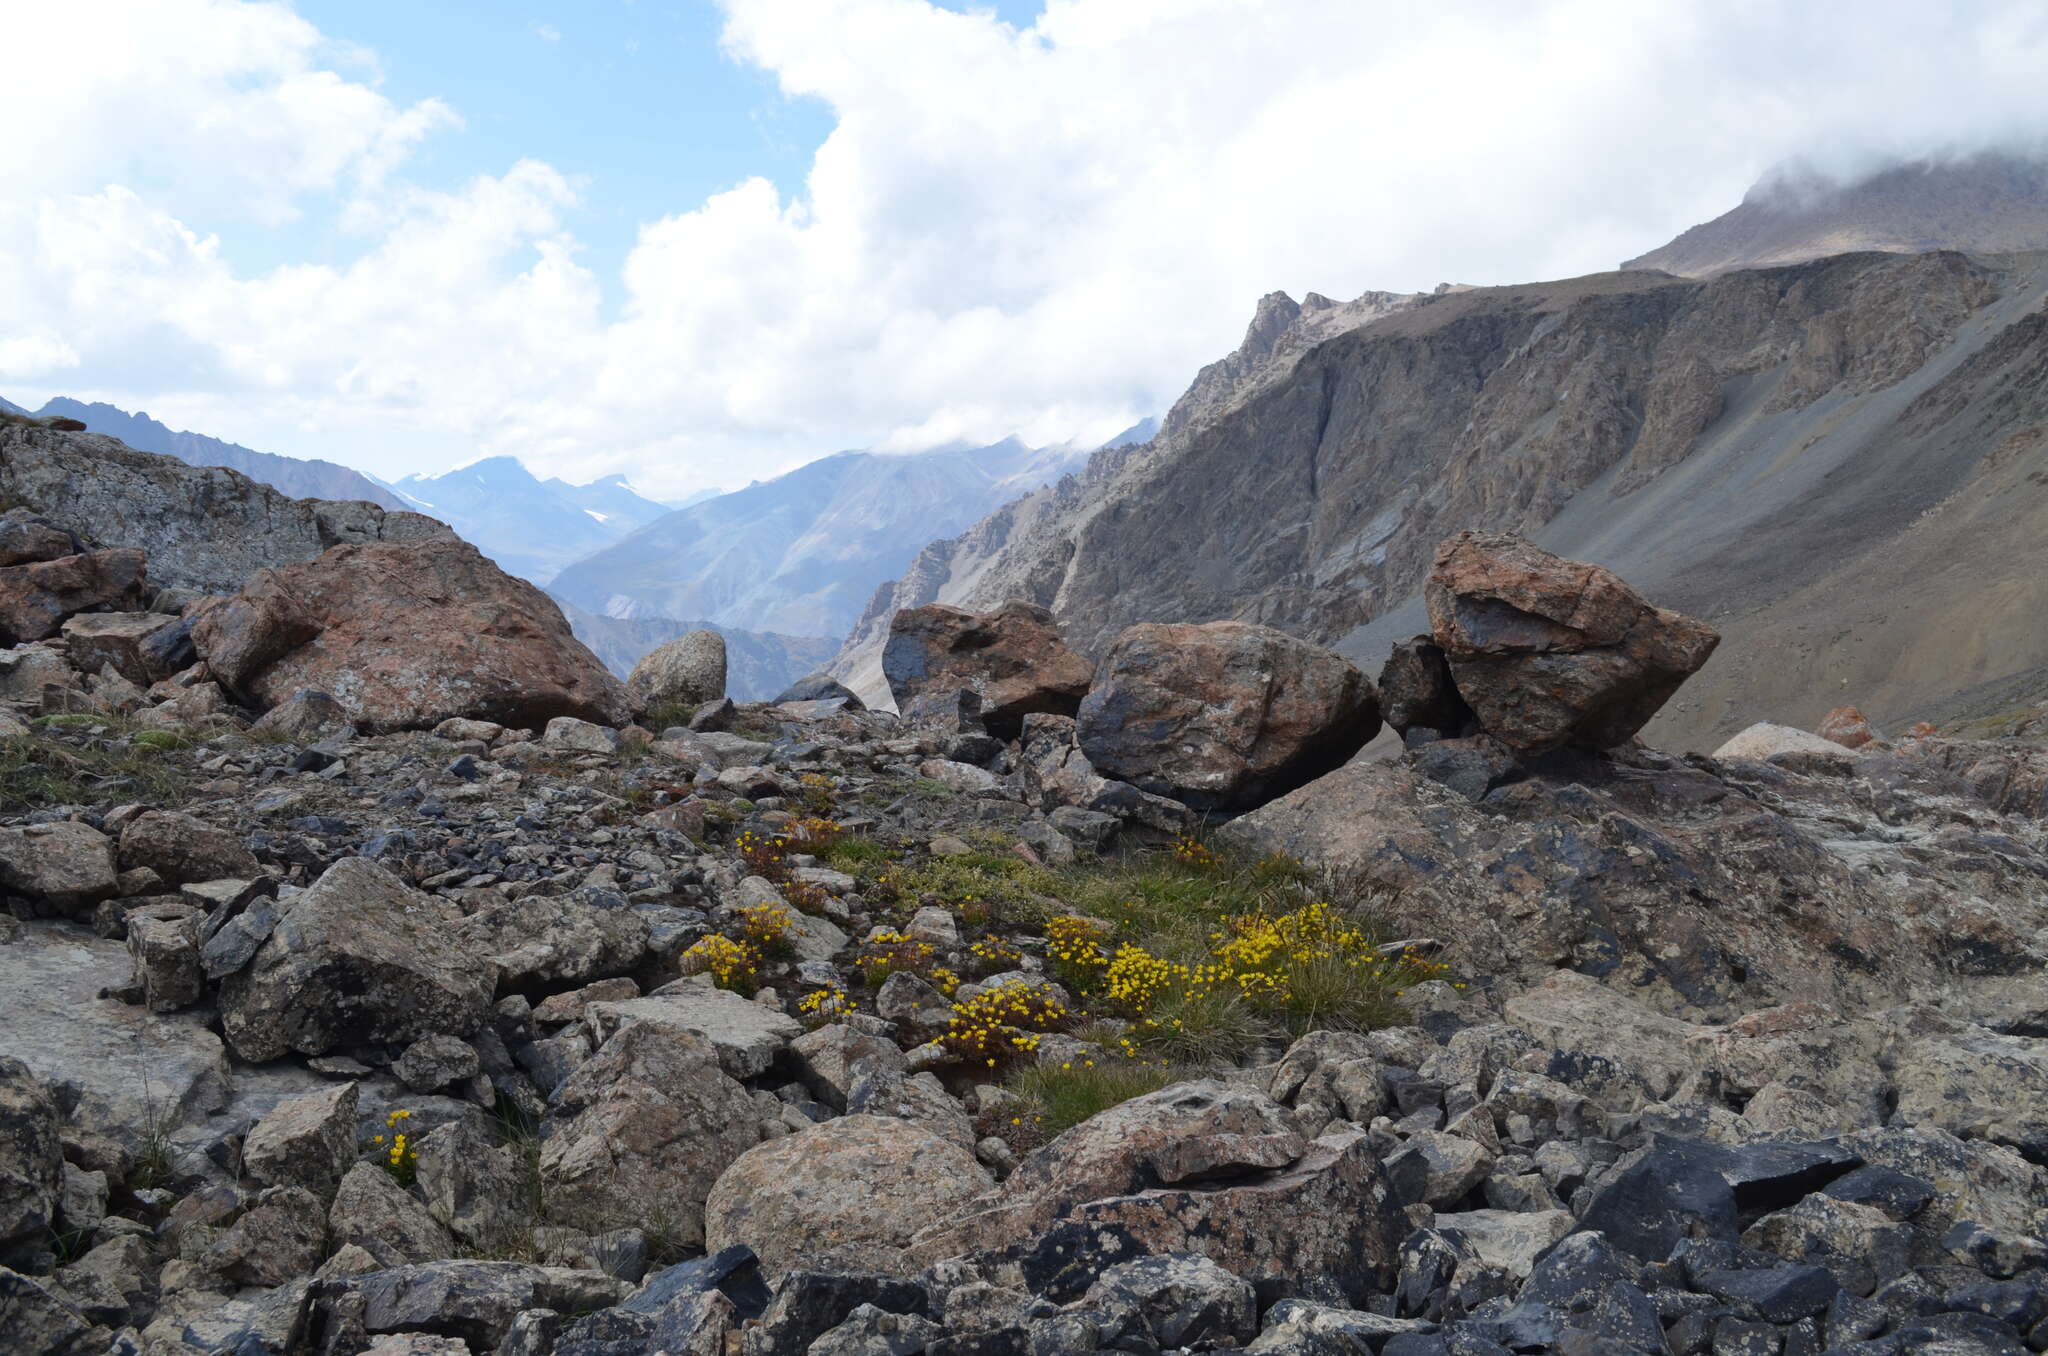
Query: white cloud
[(1043, 231), (547, 32)]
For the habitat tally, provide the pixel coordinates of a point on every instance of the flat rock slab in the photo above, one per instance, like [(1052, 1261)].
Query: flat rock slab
[(113, 1060), (747, 1035)]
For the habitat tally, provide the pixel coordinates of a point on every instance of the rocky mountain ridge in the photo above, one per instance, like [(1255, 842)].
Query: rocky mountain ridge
[(1993, 202), (299, 477), (1750, 446)]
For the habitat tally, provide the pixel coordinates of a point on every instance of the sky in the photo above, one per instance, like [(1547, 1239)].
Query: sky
[(701, 243)]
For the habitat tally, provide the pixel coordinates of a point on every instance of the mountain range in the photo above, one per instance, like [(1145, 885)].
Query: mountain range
[(1842, 463), (531, 527), (802, 553)]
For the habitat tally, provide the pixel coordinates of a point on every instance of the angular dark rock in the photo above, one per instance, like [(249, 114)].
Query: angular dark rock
[(1225, 715), (1012, 658)]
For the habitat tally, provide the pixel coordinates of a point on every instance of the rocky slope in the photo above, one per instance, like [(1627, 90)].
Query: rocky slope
[(1754, 448), (574, 1040), (1989, 203), (299, 477), (802, 553)]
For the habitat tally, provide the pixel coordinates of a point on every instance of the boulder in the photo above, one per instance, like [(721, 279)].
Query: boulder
[(359, 958), (474, 1301), (34, 1318), (848, 1192), (281, 1235), (1977, 1084), (580, 736), (1849, 727), (35, 599), (406, 635), (31, 1155), (25, 539), (1551, 652), (374, 1213), (474, 1188), (545, 940), (1194, 1168), (163, 941), (747, 1035), (26, 670), (306, 717), (69, 867), (122, 639), (1225, 715), (1416, 690), (1766, 740), (1012, 658), (688, 671), (642, 1129), (818, 687), (1186, 1300), (184, 850), (306, 1141), (433, 1062)]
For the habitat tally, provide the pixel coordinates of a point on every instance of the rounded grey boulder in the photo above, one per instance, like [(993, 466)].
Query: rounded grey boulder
[(689, 670)]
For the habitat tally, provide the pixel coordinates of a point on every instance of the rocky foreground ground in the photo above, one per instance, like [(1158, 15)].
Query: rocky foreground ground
[(380, 976)]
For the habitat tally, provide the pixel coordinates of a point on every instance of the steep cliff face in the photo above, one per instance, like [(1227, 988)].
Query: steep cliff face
[(1730, 444)]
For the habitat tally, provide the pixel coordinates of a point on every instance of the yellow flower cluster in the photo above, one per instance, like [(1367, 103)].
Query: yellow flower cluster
[(816, 789), (805, 897), (731, 965), (944, 980), (763, 856), (993, 955), (816, 833), (1263, 945), (1074, 945), (1001, 1023), (824, 1005), (400, 1158), (886, 952), (1192, 853), (765, 928)]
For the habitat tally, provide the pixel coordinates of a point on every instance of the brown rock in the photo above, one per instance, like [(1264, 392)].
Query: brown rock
[(849, 1192), (35, 599), (1552, 652), (69, 865), (121, 639), (1012, 658), (1847, 726), (1225, 714), (307, 1141), (183, 850), (24, 541), (689, 670), (1194, 1168), (304, 718), (641, 1131), (406, 635)]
